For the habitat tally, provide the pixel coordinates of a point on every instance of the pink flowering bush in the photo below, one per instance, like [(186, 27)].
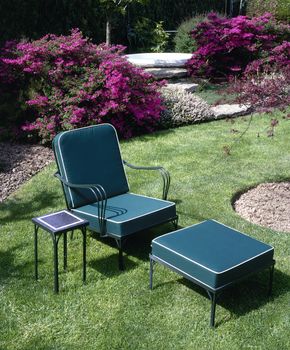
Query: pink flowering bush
[(225, 46), (73, 83)]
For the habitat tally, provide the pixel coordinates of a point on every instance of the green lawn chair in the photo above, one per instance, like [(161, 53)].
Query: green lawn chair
[(91, 170)]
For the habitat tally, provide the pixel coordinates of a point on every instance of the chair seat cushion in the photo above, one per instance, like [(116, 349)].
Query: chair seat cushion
[(129, 213), (211, 253)]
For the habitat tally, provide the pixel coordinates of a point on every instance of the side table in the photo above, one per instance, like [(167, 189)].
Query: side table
[(58, 224)]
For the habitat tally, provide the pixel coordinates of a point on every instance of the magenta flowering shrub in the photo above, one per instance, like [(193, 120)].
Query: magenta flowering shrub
[(278, 58), (227, 45), (74, 83)]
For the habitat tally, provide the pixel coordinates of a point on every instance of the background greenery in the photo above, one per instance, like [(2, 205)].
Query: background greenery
[(116, 310), (35, 18)]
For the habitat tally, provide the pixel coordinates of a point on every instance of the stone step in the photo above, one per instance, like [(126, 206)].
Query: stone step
[(167, 73), (230, 110), (186, 86)]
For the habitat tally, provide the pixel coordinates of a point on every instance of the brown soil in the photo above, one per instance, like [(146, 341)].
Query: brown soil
[(18, 162), (267, 205)]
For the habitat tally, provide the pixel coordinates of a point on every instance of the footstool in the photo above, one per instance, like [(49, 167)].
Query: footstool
[(213, 256)]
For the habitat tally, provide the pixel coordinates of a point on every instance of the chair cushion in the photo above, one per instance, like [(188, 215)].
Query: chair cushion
[(90, 155), (212, 253), (129, 213)]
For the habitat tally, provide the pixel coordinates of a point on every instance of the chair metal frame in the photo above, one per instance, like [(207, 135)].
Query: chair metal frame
[(102, 203)]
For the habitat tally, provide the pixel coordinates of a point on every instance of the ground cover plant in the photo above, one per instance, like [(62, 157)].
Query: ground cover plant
[(70, 82), (117, 310)]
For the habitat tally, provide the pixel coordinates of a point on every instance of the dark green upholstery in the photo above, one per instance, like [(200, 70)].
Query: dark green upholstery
[(211, 253), (90, 155), (128, 213), (90, 168)]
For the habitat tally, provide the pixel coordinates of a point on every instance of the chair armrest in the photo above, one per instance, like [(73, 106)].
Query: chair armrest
[(101, 198), (164, 173)]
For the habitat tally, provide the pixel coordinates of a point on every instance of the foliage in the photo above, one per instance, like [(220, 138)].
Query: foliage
[(183, 40), (183, 108), (173, 12), (265, 90), (279, 8), (227, 46), (77, 83), (148, 36), (160, 38)]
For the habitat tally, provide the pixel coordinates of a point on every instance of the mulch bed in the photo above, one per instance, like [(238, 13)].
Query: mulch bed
[(18, 163), (267, 205)]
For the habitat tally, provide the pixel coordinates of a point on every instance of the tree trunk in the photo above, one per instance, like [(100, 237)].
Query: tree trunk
[(108, 32)]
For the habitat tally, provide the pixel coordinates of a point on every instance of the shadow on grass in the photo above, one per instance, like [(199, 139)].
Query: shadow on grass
[(137, 245), (109, 266), (25, 208), (9, 267), (244, 296)]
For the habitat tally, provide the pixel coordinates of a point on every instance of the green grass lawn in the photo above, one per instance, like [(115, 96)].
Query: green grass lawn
[(116, 310), (214, 93)]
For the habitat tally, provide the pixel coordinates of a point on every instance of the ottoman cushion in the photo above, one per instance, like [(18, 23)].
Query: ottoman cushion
[(212, 253)]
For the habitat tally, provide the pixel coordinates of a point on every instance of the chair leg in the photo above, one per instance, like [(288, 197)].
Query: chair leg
[(120, 257), (151, 273), (175, 222), (121, 260)]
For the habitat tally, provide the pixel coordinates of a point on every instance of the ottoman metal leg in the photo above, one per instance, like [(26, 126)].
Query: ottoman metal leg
[(213, 298), (271, 278)]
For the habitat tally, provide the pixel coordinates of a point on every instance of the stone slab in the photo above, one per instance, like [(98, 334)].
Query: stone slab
[(159, 60), (230, 110), (167, 73), (188, 87)]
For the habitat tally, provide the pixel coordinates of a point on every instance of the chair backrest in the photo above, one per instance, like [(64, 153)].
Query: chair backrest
[(90, 155)]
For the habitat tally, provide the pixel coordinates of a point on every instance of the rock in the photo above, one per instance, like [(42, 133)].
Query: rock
[(230, 110)]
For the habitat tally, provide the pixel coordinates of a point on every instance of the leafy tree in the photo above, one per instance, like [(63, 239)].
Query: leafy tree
[(112, 7)]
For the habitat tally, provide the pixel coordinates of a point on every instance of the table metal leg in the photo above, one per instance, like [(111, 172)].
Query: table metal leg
[(55, 261), (35, 251), (84, 232), (65, 251)]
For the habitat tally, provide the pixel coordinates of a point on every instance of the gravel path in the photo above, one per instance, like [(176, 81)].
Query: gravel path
[(18, 162), (267, 205)]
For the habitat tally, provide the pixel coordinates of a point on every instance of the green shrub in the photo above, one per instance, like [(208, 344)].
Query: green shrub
[(183, 41), (148, 36), (183, 108)]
